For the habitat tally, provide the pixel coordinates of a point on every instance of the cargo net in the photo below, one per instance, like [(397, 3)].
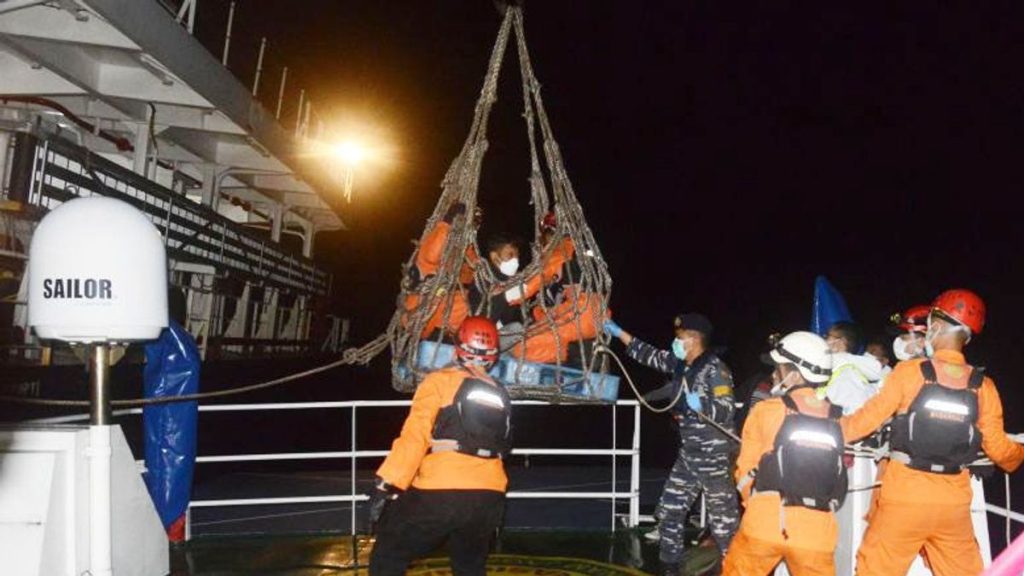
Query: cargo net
[(560, 305)]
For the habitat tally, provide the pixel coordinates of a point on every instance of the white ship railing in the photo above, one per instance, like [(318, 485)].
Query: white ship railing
[(353, 454)]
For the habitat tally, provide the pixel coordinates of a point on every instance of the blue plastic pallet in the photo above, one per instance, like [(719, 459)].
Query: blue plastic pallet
[(570, 382), (430, 356)]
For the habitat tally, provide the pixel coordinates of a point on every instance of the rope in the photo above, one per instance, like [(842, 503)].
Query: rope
[(360, 355), (679, 393), (460, 185), (636, 392), (851, 449)]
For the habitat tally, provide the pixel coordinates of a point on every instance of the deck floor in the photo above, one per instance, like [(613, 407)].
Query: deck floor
[(540, 536), (521, 552)]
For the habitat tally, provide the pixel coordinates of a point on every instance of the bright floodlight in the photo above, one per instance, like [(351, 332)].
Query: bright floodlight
[(349, 152)]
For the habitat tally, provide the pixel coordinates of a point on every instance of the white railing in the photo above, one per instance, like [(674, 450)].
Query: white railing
[(354, 454)]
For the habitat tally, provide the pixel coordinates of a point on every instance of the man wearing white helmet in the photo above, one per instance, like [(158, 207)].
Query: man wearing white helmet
[(789, 471)]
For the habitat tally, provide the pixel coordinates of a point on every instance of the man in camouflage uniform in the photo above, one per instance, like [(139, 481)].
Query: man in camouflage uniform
[(703, 462)]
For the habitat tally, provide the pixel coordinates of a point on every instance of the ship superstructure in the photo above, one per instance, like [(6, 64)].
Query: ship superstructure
[(117, 98)]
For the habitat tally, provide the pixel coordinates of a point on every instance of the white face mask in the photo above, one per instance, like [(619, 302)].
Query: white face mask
[(907, 346), (509, 267), (929, 336)]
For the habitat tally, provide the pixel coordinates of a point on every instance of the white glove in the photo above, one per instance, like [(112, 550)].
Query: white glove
[(513, 294)]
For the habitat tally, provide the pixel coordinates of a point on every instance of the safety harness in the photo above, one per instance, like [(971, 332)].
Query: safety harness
[(939, 432), (806, 465), (477, 422)]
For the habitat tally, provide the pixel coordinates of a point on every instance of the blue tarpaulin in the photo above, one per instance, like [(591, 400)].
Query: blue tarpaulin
[(172, 369), (829, 307)]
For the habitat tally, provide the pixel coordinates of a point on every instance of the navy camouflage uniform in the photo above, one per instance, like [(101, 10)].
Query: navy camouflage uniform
[(704, 459)]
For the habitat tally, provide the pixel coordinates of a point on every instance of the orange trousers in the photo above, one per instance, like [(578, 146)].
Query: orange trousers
[(808, 546), (899, 530), (543, 346)]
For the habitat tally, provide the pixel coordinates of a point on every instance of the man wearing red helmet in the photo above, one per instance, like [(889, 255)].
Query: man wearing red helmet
[(944, 410), (912, 324), (444, 473)]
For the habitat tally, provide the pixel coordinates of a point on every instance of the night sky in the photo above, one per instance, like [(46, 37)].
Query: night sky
[(724, 153)]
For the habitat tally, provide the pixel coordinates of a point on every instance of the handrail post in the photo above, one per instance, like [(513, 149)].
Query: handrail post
[(615, 445), (634, 481), (352, 479)]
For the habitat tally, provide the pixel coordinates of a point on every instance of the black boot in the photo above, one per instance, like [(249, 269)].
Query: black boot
[(715, 569), (669, 569)]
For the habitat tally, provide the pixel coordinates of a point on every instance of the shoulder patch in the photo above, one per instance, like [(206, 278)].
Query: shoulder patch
[(722, 390)]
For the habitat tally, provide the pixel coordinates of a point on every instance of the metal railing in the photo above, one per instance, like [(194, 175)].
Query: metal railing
[(353, 454), (192, 232)]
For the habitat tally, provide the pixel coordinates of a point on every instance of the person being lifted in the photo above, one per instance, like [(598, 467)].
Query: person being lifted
[(790, 469), (702, 384), (503, 257), (855, 377), (945, 409), (444, 479)]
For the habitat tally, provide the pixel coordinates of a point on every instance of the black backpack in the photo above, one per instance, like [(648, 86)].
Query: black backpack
[(939, 432), (478, 420), (806, 466)]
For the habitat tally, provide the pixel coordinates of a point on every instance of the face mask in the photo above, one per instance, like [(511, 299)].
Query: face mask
[(679, 348), (509, 267), (933, 331), (906, 347)]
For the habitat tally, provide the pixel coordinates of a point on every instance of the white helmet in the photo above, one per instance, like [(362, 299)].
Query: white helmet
[(808, 352)]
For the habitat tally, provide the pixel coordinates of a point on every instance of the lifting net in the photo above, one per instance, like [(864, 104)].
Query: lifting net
[(432, 305)]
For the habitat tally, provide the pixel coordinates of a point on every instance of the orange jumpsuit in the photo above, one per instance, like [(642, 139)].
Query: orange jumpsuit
[(923, 509), (428, 260), (541, 342), (410, 464), (552, 269), (759, 545)]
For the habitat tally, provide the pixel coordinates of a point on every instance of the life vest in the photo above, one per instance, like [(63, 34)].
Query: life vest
[(806, 465), (939, 432), (477, 422)]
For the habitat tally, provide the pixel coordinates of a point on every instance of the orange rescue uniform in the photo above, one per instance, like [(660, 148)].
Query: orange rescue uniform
[(923, 509), (552, 269), (410, 464), (810, 535), (572, 320), (542, 344), (428, 261)]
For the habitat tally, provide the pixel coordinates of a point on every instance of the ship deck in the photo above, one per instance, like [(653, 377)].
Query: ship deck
[(540, 536)]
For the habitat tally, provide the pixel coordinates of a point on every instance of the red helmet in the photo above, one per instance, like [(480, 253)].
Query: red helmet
[(549, 222), (478, 340), (914, 319), (962, 306)]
